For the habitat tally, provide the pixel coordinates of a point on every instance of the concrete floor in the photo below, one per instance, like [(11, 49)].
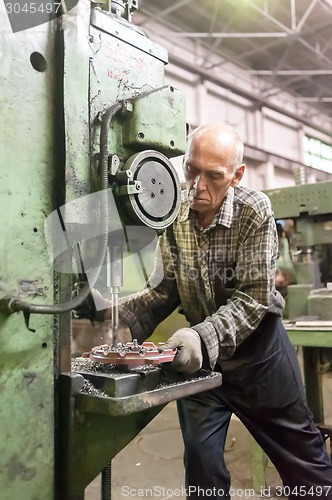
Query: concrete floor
[(151, 465)]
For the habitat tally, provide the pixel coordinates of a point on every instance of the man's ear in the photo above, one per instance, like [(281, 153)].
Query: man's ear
[(238, 174)]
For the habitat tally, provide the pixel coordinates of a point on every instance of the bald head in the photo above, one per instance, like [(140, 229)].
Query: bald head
[(220, 140)]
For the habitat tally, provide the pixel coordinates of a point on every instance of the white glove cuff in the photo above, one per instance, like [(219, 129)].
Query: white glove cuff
[(195, 334)]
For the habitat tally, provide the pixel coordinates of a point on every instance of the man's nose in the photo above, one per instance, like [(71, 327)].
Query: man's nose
[(199, 182), (195, 183)]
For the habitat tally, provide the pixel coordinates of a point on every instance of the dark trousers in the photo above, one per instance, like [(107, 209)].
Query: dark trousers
[(262, 385)]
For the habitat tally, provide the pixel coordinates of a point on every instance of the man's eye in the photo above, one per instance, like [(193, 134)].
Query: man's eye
[(191, 170), (216, 176)]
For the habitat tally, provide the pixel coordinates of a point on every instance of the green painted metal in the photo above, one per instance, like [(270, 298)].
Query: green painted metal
[(312, 368), (292, 201), (26, 189), (310, 336), (157, 120), (89, 441), (310, 208), (297, 300), (320, 304), (120, 70), (312, 339)]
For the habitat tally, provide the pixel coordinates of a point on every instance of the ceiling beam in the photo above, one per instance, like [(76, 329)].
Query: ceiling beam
[(207, 75), (163, 13), (293, 14), (305, 16), (314, 99), (292, 38), (216, 43), (290, 72), (298, 35), (191, 34), (286, 36)]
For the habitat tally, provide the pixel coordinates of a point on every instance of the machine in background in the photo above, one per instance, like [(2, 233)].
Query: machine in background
[(306, 264), (305, 250), (88, 128)]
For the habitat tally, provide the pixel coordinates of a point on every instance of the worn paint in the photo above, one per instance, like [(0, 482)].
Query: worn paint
[(31, 288), (17, 470), (26, 368)]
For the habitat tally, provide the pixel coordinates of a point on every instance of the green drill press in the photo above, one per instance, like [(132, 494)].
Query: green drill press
[(85, 114)]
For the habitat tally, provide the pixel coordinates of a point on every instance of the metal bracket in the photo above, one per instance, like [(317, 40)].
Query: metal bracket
[(113, 164), (134, 187)]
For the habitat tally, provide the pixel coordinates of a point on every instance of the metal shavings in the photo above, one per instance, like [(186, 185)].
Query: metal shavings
[(144, 368), (171, 378), (89, 388), (86, 365), (167, 379)]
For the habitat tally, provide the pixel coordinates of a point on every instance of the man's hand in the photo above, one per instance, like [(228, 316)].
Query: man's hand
[(93, 307), (188, 358)]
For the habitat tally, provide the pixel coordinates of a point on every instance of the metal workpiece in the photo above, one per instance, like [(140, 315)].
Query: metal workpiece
[(131, 354)]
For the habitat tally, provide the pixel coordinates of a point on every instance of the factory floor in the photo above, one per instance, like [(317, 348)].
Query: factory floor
[(151, 465)]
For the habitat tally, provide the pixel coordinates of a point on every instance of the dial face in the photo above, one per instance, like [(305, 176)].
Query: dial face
[(158, 189), (157, 202)]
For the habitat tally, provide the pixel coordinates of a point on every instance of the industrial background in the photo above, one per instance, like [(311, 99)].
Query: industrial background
[(95, 107)]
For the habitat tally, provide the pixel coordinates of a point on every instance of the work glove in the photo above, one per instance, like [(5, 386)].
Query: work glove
[(188, 358), (93, 307)]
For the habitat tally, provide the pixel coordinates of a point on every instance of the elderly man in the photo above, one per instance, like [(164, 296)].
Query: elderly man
[(219, 262)]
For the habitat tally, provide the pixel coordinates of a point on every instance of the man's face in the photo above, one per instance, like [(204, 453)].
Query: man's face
[(209, 171)]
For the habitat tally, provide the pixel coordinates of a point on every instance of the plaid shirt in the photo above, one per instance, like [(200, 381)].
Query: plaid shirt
[(222, 277)]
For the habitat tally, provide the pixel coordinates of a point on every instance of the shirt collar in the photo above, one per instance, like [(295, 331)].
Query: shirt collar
[(223, 217)]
